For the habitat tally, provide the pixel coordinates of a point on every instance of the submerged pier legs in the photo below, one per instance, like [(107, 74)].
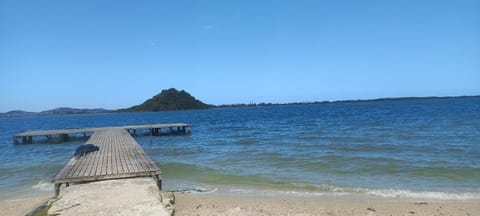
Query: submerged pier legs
[(63, 137)]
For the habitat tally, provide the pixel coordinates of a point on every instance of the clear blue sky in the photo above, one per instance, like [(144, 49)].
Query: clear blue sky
[(114, 54)]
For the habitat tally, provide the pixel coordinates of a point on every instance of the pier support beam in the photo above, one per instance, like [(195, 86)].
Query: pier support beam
[(158, 180), (63, 137), (57, 189), (187, 129), (132, 131)]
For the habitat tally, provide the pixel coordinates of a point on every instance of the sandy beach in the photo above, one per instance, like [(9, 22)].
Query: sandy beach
[(139, 196), (196, 204)]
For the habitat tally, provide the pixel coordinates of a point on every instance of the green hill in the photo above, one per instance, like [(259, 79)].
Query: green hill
[(169, 99)]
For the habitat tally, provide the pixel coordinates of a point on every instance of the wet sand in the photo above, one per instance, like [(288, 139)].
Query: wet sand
[(22, 207)]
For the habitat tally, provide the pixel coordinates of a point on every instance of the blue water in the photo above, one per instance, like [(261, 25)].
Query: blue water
[(420, 149)]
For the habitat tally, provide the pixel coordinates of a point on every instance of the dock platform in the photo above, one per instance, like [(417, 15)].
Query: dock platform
[(63, 135), (119, 156)]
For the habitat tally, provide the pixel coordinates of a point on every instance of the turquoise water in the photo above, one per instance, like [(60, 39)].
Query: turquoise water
[(418, 149)]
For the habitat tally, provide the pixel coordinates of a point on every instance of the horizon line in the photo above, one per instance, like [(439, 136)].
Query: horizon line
[(282, 103)]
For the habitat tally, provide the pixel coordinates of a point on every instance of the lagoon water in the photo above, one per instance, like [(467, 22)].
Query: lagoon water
[(427, 149)]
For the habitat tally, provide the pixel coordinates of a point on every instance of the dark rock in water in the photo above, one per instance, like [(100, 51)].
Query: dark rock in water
[(85, 149)]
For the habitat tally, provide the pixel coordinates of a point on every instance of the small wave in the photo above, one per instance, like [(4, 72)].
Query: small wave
[(388, 193), (396, 193), (43, 186), (209, 176), (330, 190), (196, 190)]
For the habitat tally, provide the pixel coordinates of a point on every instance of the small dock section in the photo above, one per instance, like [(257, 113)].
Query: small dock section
[(63, 135), (119, 156)]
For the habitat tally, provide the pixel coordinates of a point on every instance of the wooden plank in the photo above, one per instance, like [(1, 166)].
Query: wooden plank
[(114, 159), (66, 170), (80, 166), (109, 156), (93, 165), (142, 157), (98, 158), (123, 159), (123, 162), (102, 155), (105, 156), (131, 157), (128, 161), (119, 156)]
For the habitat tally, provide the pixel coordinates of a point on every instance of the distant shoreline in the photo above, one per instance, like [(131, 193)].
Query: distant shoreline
[(75, 111), (351, 101)]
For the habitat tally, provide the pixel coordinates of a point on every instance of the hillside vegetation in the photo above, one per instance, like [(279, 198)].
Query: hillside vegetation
[(169, 99)]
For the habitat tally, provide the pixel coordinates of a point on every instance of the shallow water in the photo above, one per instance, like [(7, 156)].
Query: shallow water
[(420, 149)]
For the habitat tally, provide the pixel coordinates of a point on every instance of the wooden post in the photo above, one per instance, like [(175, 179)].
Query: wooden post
[(24, 139), (63, 137), (158, 179), (183, 129), (30, 139), (15, 141), (57, 189)]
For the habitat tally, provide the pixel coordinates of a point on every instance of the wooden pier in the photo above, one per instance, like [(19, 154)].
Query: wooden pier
[(63, 135), (119, 156)]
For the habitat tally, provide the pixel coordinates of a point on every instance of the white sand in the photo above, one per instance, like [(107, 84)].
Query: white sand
[(134, 196), (211, 205), (140, 196)]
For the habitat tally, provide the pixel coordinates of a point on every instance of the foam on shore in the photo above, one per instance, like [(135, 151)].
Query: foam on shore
[(43, 185)]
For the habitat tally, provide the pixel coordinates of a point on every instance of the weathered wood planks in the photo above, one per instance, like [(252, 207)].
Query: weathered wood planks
[(119, 156)]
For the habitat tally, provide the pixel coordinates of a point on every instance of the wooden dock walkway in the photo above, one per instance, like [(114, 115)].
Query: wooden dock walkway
[(63, 135), (119, 156)]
